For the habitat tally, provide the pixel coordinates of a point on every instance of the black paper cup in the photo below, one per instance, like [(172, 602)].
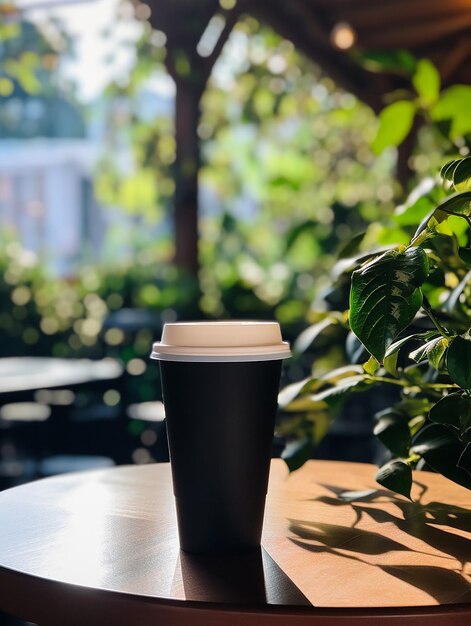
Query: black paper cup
[(220, 383)]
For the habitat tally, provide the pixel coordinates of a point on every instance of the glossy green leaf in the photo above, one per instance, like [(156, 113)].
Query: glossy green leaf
[(459, 203), (442, 449), (390, 363), (355, 349), (456, 204), (416, 374), (329, 398), (452, 410), (428, 225), (303, 404), (384, 297), (290, 392), (296, 453), (348, 264), (433, 350), (413, 406), (411, 215), (400, 343), (462, 174), (395, 123), (426, 81), (416, 423), (447, 170), (396, 476), (437, 351), (371, 366), (308, 336), (455, 105), (351, 247), (297, 231), (459, 361), (396, 61), (344, 386), (417, 205), (341, 373), (393, 431)]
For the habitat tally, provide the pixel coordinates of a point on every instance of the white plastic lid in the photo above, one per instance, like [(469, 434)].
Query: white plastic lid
[(221, 341)]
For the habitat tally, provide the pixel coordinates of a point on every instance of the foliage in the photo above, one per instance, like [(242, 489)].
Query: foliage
[(448, 111), (48, 316), (24, 58), (410, 307), (408, 287), (275, 134), (286, 156), (32, 101), (135, 171)]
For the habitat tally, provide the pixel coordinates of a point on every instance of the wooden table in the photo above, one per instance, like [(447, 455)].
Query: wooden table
[(22, 374), (101, 548)]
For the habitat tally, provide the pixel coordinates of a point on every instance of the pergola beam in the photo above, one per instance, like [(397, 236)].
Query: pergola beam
[(412, 37), (421, 26), (337, 64), (400, 12)]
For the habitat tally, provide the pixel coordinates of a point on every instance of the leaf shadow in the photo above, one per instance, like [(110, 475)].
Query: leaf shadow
[(428, 523), (446, 586), (341, 537), (423, 523)]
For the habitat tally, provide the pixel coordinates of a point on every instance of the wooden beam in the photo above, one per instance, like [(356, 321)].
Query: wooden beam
[(448, 64), (334, 4), (378, 15), (335, 63), (309, 21), (182, 21), (414, 35), (231, 17), (186, 168)]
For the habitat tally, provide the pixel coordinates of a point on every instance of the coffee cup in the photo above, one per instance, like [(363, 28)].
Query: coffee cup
[(220, 384)]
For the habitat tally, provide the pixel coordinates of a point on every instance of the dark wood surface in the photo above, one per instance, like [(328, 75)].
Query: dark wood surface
[(102, 547)]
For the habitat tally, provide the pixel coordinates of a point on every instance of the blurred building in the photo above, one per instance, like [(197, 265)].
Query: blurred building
[(46, 163), (46, 199)]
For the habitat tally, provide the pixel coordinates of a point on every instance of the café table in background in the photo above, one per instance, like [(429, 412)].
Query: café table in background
[(40, 398), (20, 376)]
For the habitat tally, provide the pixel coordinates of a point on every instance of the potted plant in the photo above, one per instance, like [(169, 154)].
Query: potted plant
[(410, 307)]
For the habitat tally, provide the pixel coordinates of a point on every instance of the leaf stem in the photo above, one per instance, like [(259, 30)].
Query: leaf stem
[(428, 310), (391, 381), (406, 383)]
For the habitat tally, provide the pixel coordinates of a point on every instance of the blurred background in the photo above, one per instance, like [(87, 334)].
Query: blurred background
[(200, 159)]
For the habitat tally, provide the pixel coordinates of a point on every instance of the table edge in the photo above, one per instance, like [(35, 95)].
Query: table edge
[(34, 582)]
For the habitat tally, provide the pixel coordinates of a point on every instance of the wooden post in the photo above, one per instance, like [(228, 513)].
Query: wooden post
[(187, 165), (183, 36)]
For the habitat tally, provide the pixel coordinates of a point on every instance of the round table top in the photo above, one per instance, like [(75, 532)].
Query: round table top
[(87, 545), (31, 373)]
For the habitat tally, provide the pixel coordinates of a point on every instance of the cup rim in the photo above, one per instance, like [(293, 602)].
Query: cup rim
[(222, 341), (163, 352)]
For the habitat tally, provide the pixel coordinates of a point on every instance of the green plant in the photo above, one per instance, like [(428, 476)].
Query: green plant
[(447, 110), (410, 308)]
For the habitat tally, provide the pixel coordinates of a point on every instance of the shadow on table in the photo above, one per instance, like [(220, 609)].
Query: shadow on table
[(252, 579), (424, 522)]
